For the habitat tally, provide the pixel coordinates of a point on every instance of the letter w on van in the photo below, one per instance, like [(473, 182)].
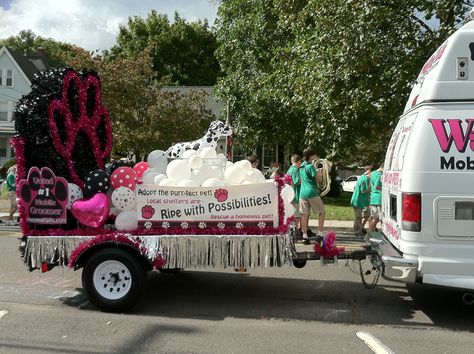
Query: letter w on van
[(460, 137)]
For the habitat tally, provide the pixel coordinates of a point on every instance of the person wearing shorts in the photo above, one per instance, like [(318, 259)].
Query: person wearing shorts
[(294, 172), (11, 187), (360, 202), (375, 197), (309, 195)]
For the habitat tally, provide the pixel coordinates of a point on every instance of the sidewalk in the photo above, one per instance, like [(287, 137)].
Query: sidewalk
[(335, 224)]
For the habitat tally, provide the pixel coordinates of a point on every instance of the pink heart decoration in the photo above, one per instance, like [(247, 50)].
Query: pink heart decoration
[(92, 212)]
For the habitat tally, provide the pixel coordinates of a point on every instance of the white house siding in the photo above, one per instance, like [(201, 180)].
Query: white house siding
[(9, 96)]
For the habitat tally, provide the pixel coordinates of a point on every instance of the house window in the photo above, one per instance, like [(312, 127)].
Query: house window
[(1, 77), (9, 81), (3, 111)]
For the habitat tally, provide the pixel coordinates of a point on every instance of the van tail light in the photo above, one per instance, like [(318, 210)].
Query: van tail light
[(411, 211)]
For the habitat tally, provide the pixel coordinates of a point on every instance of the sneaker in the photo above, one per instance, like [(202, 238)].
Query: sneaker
[(305, 241), (311, 233), (319, 237)]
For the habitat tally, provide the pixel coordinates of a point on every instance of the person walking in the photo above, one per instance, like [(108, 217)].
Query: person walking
[(360, 202), (11, 187), (309, 195), (294, 172), (375, 197)]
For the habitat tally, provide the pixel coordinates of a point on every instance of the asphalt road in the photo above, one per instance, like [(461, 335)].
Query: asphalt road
[(317, 309)]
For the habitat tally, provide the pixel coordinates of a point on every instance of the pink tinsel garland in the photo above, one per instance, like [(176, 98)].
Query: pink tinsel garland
[(328, 248), (116, 238)]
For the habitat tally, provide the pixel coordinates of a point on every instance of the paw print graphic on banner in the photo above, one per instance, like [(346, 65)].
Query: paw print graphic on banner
[(148, 211), (221, 194), (44, 197)]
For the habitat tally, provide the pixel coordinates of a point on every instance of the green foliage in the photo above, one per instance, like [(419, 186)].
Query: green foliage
[(332, 74), (28, 43), (181, 50), (144, 116)]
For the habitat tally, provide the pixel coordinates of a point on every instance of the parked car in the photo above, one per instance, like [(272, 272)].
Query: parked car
[(349, 183)]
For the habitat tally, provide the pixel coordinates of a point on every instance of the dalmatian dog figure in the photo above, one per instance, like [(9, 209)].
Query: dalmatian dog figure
[(215, 131)]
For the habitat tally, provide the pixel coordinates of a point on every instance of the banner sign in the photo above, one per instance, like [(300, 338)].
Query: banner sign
[(44, 197), (203, 207)]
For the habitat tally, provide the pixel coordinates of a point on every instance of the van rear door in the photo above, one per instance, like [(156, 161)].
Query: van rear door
[(393, 168)]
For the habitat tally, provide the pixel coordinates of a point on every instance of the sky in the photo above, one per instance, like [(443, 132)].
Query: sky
[(91, 24)]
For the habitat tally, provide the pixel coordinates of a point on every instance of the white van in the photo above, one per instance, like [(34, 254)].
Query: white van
[(428, 182)]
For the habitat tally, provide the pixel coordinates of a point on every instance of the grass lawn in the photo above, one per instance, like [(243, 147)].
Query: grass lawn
[(338, 208)]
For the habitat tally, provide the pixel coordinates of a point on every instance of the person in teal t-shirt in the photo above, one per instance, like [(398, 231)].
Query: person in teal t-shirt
[(309, 195), (294, 172), (360, 202), (375, 197), (11, 187)]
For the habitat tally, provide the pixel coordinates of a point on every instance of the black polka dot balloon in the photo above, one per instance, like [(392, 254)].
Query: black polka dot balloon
[(123, 198), (97, 181)]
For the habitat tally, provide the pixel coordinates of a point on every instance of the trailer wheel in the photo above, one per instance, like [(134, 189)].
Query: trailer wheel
[(299, 263), (113, 279)]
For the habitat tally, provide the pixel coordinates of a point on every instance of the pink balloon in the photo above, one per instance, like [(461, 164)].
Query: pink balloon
[(124, 177), (140, 168), (92, 212)]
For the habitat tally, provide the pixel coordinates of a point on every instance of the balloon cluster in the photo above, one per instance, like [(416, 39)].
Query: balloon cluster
[(107, 193), (203, 169)]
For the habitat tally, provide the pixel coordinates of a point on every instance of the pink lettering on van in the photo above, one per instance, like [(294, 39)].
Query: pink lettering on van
[(456, 134)]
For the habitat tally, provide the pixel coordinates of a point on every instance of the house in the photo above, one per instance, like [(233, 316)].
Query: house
[(16, 75)]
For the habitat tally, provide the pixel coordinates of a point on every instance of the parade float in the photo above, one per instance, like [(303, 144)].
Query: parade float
[(186, 207)]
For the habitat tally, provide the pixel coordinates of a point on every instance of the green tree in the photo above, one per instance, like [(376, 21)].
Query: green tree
[(144, 116), (181, 50), (28, 43), (333, 74)]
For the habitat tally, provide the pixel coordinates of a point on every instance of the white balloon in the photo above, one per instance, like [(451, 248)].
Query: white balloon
[(157, 160), (213, 182), (246, 182), (149, 176), (244, 164), (208, 152), (254, 176), (167, 182), (159, 178), (195, 162), (217, 171), (234, 175), (178, 170), (126, 221), (188, 153), (287, 193), (289, 211), (199, 176), (221, 155), (123, 198), (187, 183), (228, 163), (75, 193)]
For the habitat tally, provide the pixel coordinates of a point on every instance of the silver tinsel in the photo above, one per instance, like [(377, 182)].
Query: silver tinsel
[(203, 251)]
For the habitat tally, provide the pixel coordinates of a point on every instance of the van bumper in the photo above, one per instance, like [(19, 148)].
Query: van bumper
[(395, 267)]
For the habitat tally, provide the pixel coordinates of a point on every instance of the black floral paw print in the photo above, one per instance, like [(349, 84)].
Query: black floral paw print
[(84, 115), (44, 196)]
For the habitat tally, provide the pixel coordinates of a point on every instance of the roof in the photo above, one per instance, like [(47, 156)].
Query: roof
[(29, 65)]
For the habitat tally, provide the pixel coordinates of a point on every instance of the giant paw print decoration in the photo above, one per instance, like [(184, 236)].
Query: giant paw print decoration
[(81, 115)]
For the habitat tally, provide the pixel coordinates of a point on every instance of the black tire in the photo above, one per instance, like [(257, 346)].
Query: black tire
[(113, 279), (299, 263)]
